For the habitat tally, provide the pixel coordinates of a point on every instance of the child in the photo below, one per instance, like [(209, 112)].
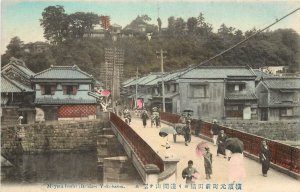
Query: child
[(207, 163), (189, 172)]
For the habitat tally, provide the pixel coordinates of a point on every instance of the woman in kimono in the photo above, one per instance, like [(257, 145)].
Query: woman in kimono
[(265, 158), (207, 162), (144, 118)]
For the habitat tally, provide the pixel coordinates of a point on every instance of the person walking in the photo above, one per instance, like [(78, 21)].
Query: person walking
[(187, 133), (221, 143), (163, 145), (215, 131), (189, 173), (207, 163), (265, 158), (144, 118)]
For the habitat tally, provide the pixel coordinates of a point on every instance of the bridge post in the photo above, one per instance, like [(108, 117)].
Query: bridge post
[(152, 172)]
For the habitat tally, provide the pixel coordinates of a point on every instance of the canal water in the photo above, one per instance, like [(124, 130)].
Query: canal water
[(53, 167)]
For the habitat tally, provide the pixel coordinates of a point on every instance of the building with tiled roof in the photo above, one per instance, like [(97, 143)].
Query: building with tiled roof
[(16, 69), (279, 98), (205, 90), (62, 92), (218, 92), (17, 95), (145, 91)]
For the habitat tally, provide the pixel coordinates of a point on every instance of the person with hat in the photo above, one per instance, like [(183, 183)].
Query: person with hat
[(189, 172)]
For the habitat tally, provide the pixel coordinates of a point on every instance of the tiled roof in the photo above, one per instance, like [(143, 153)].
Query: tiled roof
[(18, 63), (260, 74), (282, 83), (143, 80), (49, 100), (217, 73), (128, 81), (241, 96), (166, 77), (63, 72), (12, 86)]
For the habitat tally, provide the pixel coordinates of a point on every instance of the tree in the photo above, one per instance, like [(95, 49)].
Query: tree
[(55, 24), (192, 24), (15, 47), (204, 28), (81, 23), (159, 24)]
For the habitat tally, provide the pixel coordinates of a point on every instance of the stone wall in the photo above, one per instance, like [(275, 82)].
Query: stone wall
[(51, 137), (275, 130)]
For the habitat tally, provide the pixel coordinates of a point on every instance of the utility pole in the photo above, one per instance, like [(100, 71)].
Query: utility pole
[(113, 79), (162, 79), (136, 87)]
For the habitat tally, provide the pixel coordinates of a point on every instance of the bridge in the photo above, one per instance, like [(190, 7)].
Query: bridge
[(141, 145)]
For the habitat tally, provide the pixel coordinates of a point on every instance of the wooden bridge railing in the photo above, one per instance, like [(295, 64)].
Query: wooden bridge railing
[(145, 153), (282, 155)]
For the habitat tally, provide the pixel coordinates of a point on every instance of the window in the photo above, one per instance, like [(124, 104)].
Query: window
[(235, 87), (198, 91), (70, 89), (48, 89), (174, 88), (286, 112)]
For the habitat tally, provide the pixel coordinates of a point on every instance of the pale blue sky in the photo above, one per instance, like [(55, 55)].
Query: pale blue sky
[(21, 18)]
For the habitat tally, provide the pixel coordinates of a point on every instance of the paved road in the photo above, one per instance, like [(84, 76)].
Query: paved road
[(254, 182)]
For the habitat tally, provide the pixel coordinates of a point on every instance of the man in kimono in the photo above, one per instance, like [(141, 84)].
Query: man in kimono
[(221, 143), (265, 158), (189, 172)]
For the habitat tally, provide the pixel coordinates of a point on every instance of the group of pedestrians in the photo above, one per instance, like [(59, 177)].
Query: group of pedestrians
[(236, 167), (154, 117), (219, 139), (190, 174)]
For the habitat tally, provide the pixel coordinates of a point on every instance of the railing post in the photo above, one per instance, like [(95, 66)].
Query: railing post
[(152, 172)]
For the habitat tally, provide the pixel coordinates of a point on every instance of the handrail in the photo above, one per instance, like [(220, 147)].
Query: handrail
[(145, 153), (282, 155)]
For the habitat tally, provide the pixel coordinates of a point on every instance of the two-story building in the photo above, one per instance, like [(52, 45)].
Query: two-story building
[(171, 92), (62, 93), (140, 88), (17, 95), (218, 92), (279, 98)]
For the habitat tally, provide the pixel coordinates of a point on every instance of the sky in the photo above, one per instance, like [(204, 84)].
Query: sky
[(21, 17)]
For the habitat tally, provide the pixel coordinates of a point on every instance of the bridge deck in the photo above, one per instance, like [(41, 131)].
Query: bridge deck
[(275, 182)]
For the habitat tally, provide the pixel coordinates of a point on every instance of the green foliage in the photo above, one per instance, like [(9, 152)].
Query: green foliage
[(186, 42), (55, 24), (59, 26)]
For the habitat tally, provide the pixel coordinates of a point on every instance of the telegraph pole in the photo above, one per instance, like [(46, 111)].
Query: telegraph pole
[(136, 87), (161, 52)]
